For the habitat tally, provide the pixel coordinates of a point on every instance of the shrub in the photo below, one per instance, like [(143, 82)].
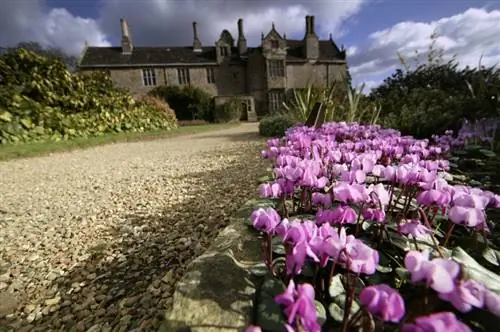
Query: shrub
[(161, 106), (341, 103), (437, 96), (230, 111), (40, 100), (275, 125), (188, 102)]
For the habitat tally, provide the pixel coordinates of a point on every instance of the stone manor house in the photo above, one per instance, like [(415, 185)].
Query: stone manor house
[(258, 76)]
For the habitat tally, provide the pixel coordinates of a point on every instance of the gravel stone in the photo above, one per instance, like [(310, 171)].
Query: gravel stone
[(95, 239)]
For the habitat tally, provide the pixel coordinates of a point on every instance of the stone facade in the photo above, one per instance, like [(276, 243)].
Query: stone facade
[(229, 69)]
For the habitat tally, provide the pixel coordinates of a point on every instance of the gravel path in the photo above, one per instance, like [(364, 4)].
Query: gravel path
[(94, 240)]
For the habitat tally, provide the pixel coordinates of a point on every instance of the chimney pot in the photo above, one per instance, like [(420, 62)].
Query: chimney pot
[(308, 25), (242, 42), (311, 24), (127, 46), (196, 38)]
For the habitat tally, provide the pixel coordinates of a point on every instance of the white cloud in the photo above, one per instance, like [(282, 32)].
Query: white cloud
[(469, 35), (156, 22), (31, 20)]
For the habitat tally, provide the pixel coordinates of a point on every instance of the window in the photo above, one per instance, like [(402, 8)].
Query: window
[(211, 75), (224, 51), (276, 68), (149, 77), (275, 100), (183, 74), (275, 44)]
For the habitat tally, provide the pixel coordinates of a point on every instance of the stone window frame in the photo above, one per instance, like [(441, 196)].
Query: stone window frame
[(149, 77), (183, 75), (210, 75), (224, 51), (275, 44), (276, 68), (276, 98)]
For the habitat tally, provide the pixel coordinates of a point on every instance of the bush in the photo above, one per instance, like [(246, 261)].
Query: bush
[(161, 106), (275, 125), (41, 100), (188, 102), (437, 96), (341, 103), (229, 111)]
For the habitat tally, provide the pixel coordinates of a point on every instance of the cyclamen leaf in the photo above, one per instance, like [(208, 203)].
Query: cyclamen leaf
[(491, 256), (336, 308), (269, 313), (259, 270), (278, 246), (265, 179), (488, 153), (476, 271), (336, 286), (320, 313)]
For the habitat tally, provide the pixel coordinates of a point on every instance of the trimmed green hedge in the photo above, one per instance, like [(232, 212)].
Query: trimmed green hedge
[(275, 125)]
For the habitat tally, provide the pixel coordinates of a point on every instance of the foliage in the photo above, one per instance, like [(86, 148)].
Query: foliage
[(342, 103), (230, 111), (275, 125), (364, 229), (435, 96), (41, 100), (52, 53), (188, 102)]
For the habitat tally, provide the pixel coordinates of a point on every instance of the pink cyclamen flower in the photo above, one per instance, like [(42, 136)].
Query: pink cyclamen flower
[(492, 302), (350, 193), (253, 328), (383, 301), (466, 295), (265, 220), (358, 257), (299, 303), (434, 197), (439, 274), (438, 322), (414, 228), (375, 215)]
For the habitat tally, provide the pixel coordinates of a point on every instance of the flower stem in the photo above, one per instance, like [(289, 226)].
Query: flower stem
[(426, 222), (348, 304), (269, 258), (448, 234)]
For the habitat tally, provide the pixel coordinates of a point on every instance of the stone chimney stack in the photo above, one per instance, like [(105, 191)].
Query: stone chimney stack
[(196, 40), (127, 46), (311, 41), (242, 42)]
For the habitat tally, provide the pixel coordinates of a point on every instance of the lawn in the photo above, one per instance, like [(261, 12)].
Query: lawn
[(24, 150)]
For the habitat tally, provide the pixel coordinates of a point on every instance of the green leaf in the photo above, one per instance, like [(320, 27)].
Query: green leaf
[(488, 153), (336, 308), (336, 286), (492, 256), (6, 116), (278, 246), (259, 270), (26, 122), (265, 179), (476, 271), (269, 313), (320, 313), (384, 269)]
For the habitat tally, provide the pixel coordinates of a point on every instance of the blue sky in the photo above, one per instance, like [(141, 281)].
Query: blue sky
[(373, 31)]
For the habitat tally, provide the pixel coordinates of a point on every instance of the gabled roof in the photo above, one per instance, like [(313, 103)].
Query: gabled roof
[(164, 56)]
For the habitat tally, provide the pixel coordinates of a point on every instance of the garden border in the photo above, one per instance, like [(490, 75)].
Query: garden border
[(217, 292)]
